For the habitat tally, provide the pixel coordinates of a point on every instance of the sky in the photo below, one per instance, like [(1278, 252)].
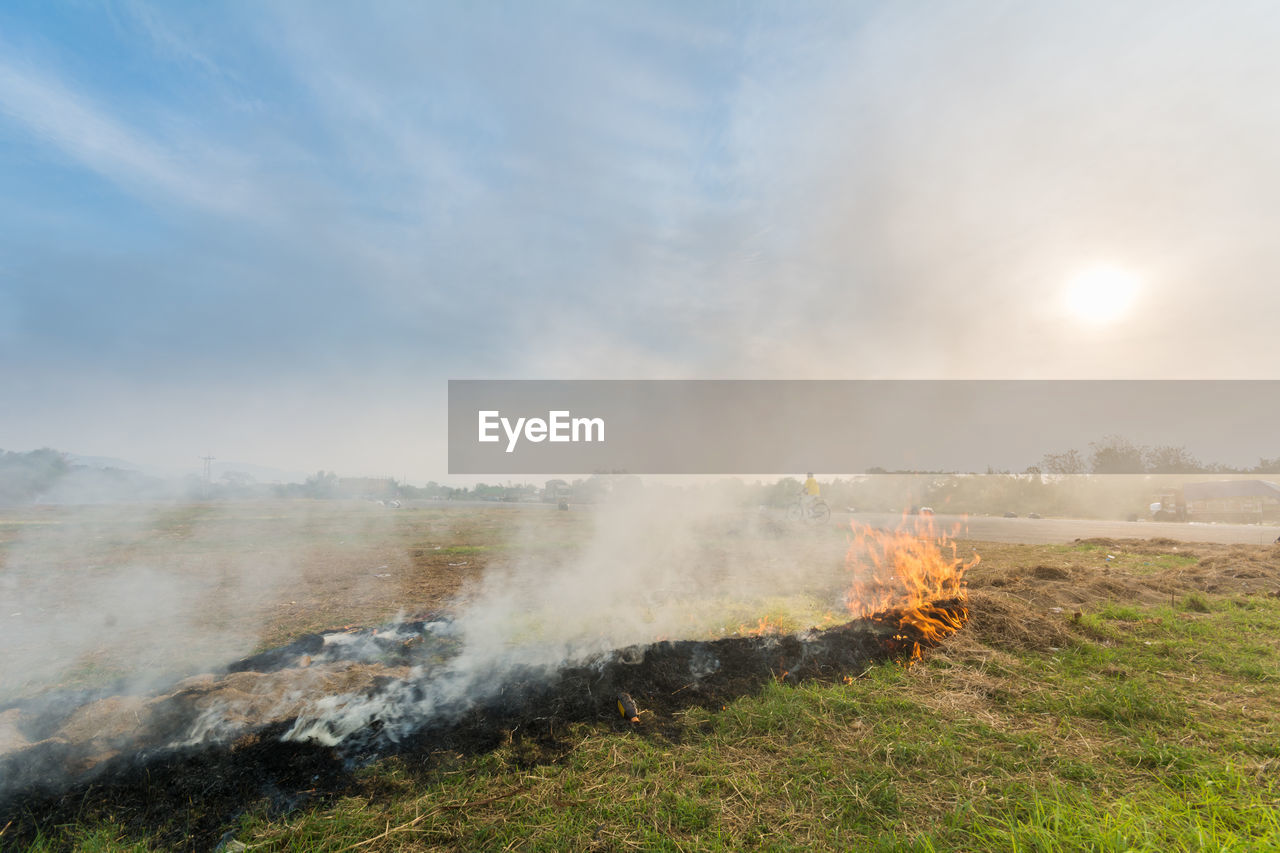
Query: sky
[(272, 231)]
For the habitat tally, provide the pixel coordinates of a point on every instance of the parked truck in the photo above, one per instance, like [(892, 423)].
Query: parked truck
[(1238, 501)]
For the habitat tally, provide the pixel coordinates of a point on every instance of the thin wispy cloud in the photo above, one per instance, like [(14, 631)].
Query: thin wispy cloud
[(74, 126)]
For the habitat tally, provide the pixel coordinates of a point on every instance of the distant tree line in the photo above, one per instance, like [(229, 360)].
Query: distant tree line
[(26, 476), (1048, 487), (48, 475), (1115, 454)]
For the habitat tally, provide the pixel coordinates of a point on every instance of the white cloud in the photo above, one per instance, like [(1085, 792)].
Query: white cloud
[(88, 133)]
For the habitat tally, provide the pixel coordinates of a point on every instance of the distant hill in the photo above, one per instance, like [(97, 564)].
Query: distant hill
[(260, 473), (112, 462)]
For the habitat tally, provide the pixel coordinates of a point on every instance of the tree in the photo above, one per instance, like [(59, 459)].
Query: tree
[(1268, 466), (1166, 459), (783, 492), (321, 484), (1070, 462), (26, 476), (1117, 455)]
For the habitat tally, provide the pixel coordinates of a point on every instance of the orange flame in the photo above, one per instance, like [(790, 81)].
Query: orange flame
[(761, 628), (912, 575)]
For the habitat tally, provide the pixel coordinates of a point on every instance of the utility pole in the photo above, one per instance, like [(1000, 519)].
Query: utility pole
[(208, 474)]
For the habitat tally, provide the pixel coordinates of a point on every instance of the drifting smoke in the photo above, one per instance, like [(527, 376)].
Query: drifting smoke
[(127, 599), (656, 565), (659, 565)]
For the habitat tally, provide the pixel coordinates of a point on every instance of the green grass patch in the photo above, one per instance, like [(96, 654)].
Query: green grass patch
[(1226, 811), (1196, 602)]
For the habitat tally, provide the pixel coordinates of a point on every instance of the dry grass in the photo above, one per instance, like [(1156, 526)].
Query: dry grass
[(1107, 694)]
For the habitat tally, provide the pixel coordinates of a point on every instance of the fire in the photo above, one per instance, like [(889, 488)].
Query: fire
[(763, 627), (914, 576)]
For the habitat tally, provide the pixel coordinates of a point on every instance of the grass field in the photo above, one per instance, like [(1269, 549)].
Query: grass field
[(1105, 696)]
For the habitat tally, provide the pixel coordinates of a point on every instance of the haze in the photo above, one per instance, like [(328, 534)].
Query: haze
[(272, 231)]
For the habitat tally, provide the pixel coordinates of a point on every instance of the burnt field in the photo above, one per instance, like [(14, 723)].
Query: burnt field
[(473, 661), (210, 785)]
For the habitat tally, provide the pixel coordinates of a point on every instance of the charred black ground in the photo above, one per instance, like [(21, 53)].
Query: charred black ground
[(188, 797)]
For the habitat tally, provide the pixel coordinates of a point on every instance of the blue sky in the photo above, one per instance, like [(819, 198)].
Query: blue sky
[(272, 230)]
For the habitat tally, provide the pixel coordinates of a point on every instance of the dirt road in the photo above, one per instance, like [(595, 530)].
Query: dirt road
[(1056, 530)]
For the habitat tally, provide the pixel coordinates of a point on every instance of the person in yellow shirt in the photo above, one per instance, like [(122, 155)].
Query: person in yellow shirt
[(810, 491)]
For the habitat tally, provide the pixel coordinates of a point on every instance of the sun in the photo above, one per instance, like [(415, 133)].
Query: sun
[(1100, 295)]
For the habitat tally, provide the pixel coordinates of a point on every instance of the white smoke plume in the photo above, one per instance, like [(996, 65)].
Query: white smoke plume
[(133, 597), (659, 564)]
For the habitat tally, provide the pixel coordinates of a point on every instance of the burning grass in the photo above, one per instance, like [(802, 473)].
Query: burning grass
[(429, 686), (912, 577), (664, 678), (977, 748), (1089, 703)]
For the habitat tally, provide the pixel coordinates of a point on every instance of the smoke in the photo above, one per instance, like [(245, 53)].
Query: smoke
[(658, 564), (118, 608), (131, 598)]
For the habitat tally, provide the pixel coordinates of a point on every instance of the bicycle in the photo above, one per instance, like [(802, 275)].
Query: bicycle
[(815, 511)]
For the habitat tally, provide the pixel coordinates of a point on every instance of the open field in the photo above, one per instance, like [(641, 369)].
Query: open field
[(1106, 694), (1042, 531), (242, 577)]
